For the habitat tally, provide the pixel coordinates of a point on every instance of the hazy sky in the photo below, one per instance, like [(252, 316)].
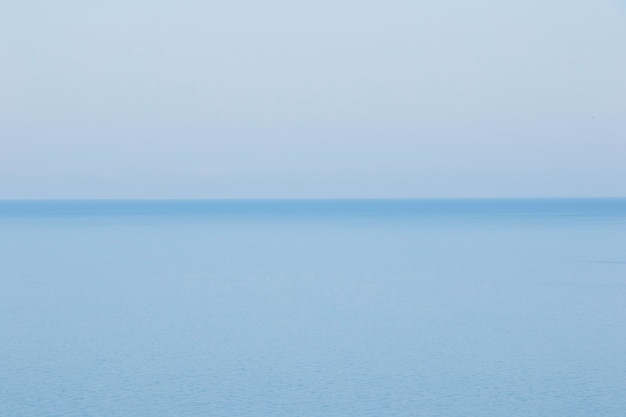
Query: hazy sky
[(341, 98)]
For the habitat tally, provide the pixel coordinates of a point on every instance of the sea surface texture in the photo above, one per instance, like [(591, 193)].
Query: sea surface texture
[(313, 308)]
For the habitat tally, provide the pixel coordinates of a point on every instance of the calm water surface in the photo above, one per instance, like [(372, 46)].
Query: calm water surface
[(313, 308)]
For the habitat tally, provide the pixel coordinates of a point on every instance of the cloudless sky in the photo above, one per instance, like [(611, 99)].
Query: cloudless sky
[(289, 99)]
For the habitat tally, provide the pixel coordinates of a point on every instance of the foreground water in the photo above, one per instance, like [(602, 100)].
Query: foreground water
[(313, 308)]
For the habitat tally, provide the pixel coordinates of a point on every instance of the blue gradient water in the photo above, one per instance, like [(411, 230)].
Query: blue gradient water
[(313, 308)]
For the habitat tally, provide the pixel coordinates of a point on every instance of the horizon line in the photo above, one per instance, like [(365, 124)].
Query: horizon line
[(277, 199)]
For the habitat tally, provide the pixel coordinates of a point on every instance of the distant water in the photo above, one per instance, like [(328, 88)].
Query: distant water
[(313, 308)]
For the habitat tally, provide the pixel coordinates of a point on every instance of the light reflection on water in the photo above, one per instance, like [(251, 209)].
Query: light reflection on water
[(313, 308)]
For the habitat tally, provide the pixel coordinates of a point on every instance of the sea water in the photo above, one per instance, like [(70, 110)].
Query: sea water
[(313, 308)]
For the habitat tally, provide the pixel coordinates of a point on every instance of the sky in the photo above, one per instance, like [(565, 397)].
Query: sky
[(325, 99)]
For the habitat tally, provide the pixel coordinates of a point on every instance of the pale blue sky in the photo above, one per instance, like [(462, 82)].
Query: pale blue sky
[(342, 98)]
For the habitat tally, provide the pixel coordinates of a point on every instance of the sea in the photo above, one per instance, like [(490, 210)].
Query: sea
[(313, 308)]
